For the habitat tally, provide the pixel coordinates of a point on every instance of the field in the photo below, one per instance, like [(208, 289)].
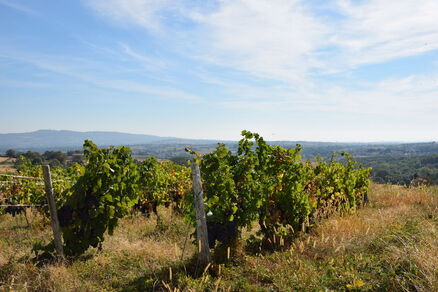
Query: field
[(390, 245), (7, 164)]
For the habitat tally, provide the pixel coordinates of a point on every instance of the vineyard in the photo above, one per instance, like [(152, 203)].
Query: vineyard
[(266, 190), (263, 183)]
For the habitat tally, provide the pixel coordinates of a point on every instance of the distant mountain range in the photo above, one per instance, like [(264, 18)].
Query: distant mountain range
[(167, 147), (63, 139)]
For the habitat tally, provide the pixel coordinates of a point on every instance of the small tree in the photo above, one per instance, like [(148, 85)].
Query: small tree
[(11, 153)]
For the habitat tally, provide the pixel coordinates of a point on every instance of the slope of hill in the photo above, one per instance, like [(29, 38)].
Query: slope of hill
[(390, 245), (310, 149), (63, 139), (168, 147), (52, 139), (402, 169)]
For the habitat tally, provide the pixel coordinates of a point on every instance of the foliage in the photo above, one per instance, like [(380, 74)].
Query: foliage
[(233, 189), (291, 199), (179, 182), (403, 169), (152, 183), (106, 190), (273, 185), (181, 160), (259, 181), (162, 183), (11, 153), (16, 191), (53, 158), (349, 182)]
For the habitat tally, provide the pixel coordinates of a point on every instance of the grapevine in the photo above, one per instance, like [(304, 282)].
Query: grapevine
[(105, 192), (272, 184)]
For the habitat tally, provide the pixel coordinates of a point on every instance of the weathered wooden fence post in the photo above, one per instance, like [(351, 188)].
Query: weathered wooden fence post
[(53, 212), (204, 256)]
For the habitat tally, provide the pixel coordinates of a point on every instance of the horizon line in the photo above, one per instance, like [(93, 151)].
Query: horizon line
[(231, 140)]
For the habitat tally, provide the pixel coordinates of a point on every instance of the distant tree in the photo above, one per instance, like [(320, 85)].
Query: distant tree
[(55, 155), (182, 160), (381, 175), (55, 163), (11, 153), (34, 157)]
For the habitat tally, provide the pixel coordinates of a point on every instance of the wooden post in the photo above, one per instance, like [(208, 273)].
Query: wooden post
[(53, 212), (201, 221)]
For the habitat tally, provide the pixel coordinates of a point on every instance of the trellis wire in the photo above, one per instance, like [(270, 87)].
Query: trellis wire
[(23, 205), (20, 176), (41, 184), (29, 177), (17, 182)]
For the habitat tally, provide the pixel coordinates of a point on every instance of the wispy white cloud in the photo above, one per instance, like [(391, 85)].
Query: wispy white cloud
[(271, 39), (287, 39), (150, 62), (94, 72), (284, 41), (18, 6), (375, 31), (146, 13), (295, 43), (410, 97), (23, 84)]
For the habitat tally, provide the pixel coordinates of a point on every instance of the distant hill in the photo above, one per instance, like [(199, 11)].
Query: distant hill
[(167, 147), (63, 139)]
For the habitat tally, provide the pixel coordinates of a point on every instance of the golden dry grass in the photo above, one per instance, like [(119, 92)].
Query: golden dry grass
[(4, 159), (135, 248), (396, 233), (388, 205), (7, 169), (7, 164)]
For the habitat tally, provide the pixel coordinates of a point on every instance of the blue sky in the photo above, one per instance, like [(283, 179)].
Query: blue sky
[(332, 70)]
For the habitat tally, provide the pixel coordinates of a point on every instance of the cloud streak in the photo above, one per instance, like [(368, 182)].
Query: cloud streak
[(297, 44), (276, 58), (407, 97), (19, 7), (375, 31), (93, 72), (286, 39), (150, 63)]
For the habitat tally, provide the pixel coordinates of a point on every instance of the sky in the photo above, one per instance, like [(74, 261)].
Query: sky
[(315, 70)]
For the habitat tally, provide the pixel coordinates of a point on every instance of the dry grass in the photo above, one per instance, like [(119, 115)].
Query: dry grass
[(137, 247), (7, 164), (5, 159), (390, 245), (389, 204), (7, 169)]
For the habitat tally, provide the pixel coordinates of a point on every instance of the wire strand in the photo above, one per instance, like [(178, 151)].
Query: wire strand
[(20, 176), (22, 205)]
